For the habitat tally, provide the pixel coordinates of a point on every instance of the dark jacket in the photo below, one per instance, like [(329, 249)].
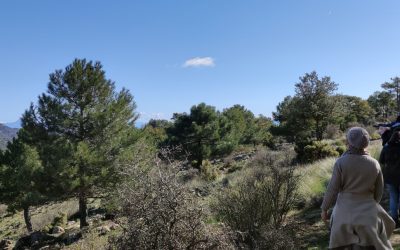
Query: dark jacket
[(390, 161)]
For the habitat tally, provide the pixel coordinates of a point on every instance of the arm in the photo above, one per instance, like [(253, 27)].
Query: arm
[(333, 188), (378, 187), (382, 156)]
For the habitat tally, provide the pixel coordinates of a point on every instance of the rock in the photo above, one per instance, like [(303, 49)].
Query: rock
[(70, 223), (103, 230), (34, 240), (71, 236), (6, 244), (57, 230), (113, 226)]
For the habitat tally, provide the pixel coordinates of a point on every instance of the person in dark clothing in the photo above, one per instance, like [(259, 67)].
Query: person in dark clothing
[(386, 129), (390, 161)]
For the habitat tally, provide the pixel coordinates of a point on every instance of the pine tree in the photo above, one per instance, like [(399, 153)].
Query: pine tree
[(20, 171), (90, 124), (197, 132), (393, 88)]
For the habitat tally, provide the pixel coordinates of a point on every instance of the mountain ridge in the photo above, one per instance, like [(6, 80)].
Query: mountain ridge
[(6, 135)]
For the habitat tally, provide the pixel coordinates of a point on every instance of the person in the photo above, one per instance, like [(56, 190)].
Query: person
[(390, 160), (355, 189), (386, 129)]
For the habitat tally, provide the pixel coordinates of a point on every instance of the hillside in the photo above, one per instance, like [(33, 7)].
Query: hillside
[(311, 232), (6, 134)]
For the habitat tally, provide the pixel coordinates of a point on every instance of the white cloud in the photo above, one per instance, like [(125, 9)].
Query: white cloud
[(199, 62)]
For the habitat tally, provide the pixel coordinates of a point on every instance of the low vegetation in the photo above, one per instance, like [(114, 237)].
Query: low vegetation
[(80, 175)]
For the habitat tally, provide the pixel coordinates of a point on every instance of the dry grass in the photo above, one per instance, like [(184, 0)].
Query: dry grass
[(45, 215), (90, 241), (315, 176), (12, 225)]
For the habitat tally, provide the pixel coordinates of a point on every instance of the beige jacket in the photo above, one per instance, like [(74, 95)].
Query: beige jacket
[(355, 190)]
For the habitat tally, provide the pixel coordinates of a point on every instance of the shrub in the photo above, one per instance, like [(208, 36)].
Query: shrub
[(261, 199), (332, 131), (160, 213), (277, 239), (208, 171), (341, 149), (317, 150), (60, 220)]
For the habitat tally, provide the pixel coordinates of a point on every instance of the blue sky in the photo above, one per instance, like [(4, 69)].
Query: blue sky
[(248, 52)]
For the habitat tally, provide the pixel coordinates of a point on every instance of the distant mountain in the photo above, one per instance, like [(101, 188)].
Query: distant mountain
[(6, 135), (16, 124)]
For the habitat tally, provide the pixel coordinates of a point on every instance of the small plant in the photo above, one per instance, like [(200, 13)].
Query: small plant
[(208, 172), (60, 220)]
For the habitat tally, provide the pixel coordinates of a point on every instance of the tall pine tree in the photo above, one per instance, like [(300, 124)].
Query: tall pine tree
[(83, 116)]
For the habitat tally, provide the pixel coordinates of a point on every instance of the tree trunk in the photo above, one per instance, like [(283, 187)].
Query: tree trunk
[(27, 218), (82, 209)]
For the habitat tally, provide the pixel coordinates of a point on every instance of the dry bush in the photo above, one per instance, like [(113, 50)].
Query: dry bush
[(262, 199), (277, 239), (332, 132), (3, 209), (158, 212)]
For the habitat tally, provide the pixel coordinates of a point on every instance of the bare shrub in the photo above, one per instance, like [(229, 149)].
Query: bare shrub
[(158, 212), (277, 239), (262, 199), (3, 209), (332, 132)]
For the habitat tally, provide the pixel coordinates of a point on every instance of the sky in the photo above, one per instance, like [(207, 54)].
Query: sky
[(173, 54)]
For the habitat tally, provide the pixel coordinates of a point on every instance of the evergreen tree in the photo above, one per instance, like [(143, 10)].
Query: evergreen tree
[(309, 112), (393, 88), (197, 132), (351, 109), (155, 132), (91, 124), (383, 104), (20, 173)]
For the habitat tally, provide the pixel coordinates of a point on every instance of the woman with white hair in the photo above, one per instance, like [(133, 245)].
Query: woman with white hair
[(355, 189)]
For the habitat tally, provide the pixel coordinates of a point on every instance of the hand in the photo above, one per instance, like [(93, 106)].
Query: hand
[(324, 216)]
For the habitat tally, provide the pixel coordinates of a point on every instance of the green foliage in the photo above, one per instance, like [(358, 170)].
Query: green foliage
[(308, 113), (341, 149), (60, 220), (20, 178), (351, 109), (393, 88), (155, 132), (81, 127), (383, 104), (206, 133), (196, 132), (309, 151), (20, 172), (242, 124), (208, 171)]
